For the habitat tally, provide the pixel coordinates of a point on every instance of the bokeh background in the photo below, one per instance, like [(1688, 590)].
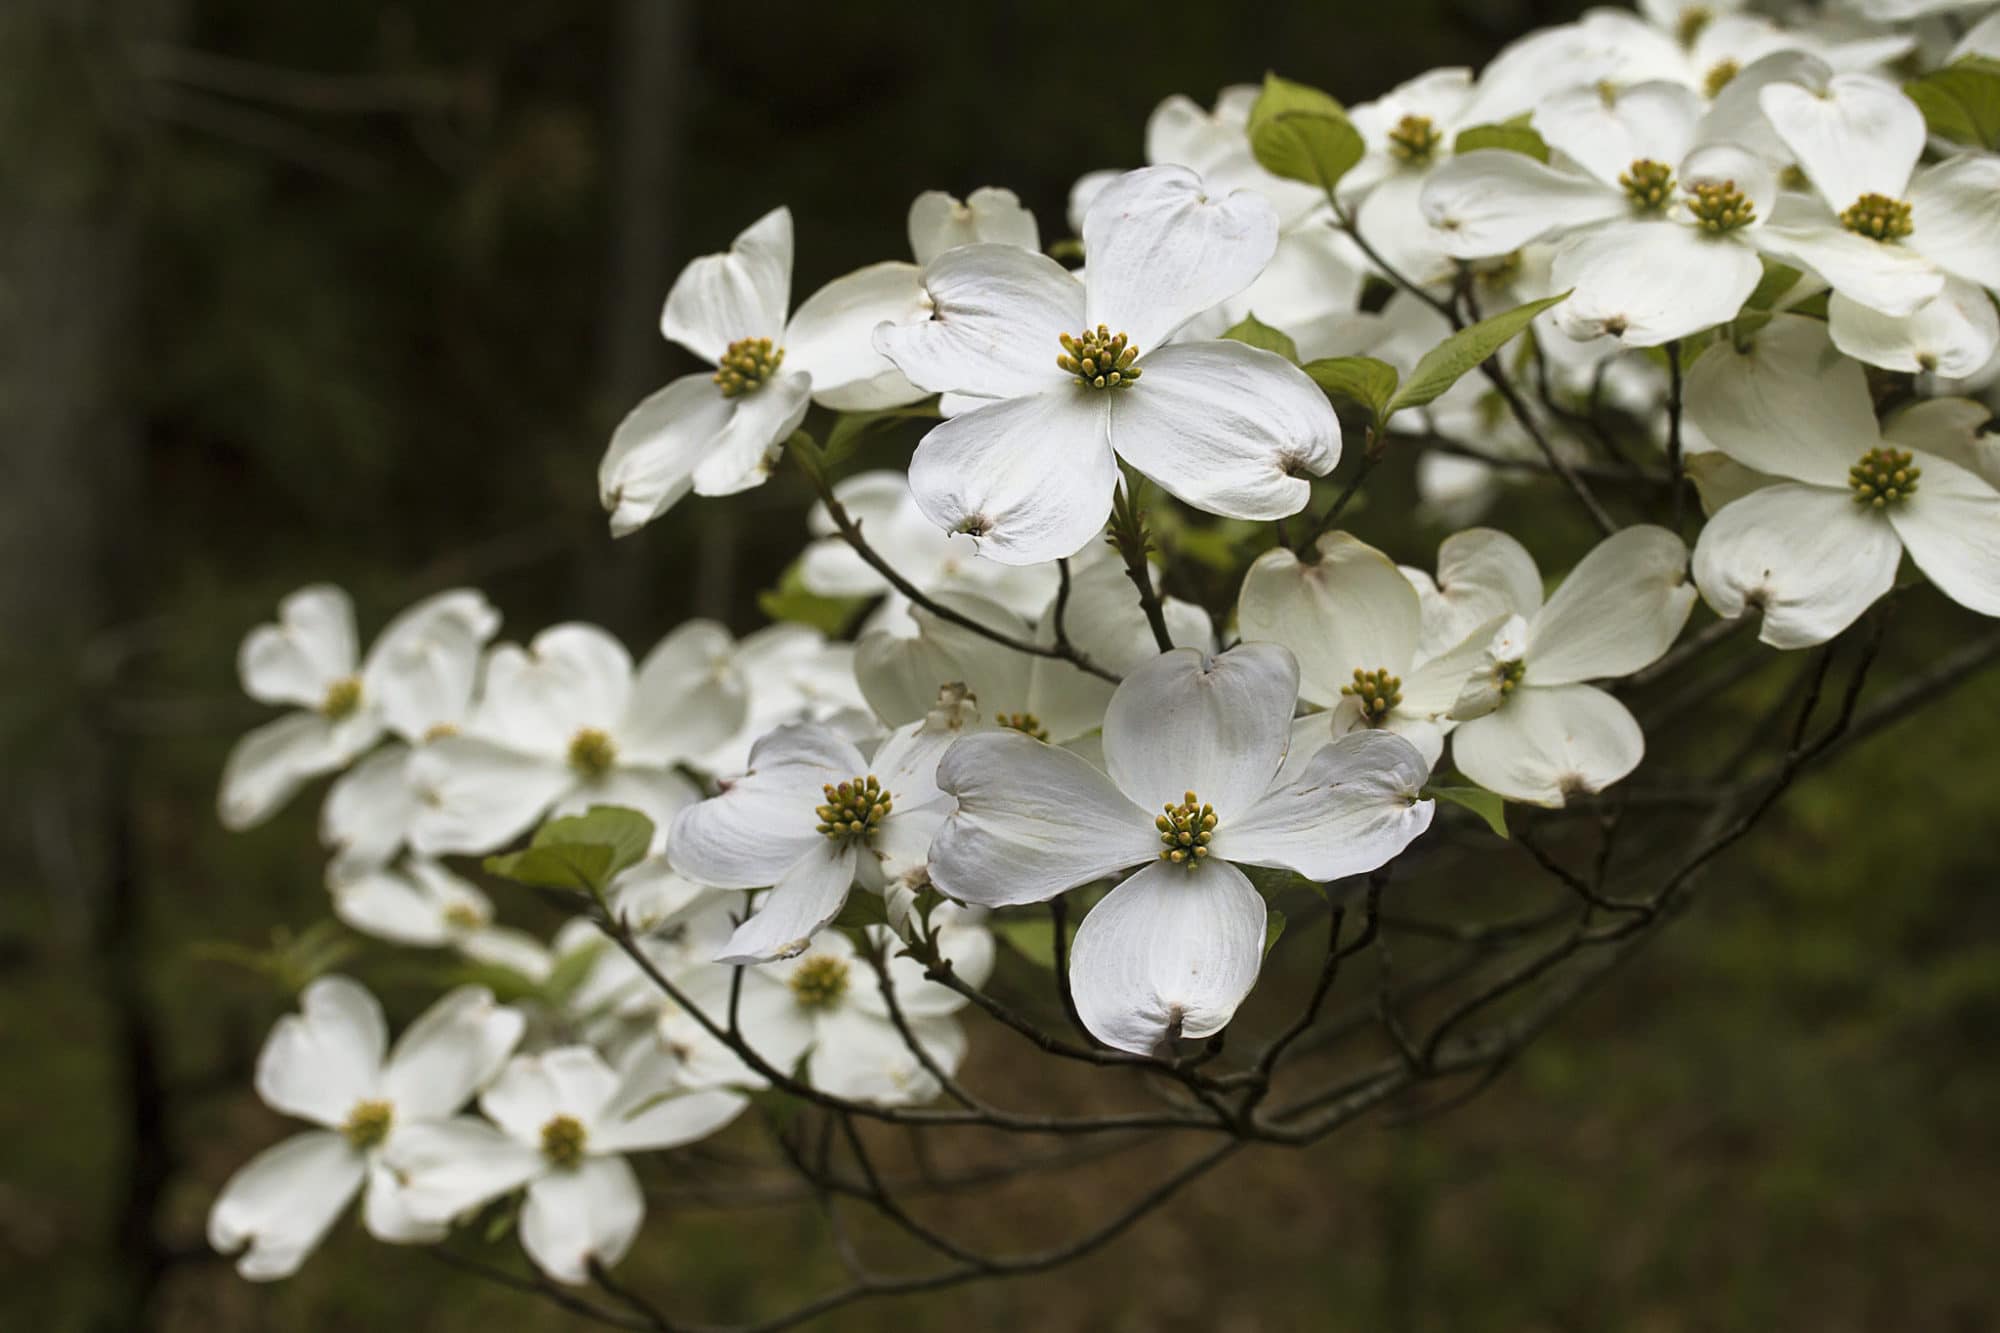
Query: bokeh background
[(354, 292)]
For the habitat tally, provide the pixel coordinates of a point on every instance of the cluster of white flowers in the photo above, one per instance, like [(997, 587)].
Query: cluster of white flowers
[(1752, 236)]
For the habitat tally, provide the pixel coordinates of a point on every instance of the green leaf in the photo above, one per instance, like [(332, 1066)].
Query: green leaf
[(1274, 926), (1032, 936), (508, 986), (627, 832), (577, 869), (1442, 366), (578, 853), (570, 971), (1256, 333), (863, 909), (1302, 134), (1961, 102), (1777, 280), (792, 601), (851, 429), (1361, 380), (1512, 138), (1480, 801)]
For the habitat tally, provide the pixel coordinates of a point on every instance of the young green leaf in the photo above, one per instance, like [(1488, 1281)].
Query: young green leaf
[(1361, 380), (1274, 926), (1512, 138), (628, 833), (1302, 134), (1961, 102), (1256, 333), (1480, 801), (578, 853), (851, 429), (1442, 366), (792, 601)]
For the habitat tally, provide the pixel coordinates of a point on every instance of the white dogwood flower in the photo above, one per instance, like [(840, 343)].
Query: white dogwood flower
[(567, 723), (422, 904), (1841, 501), (562, 1122), (310, 659), (1076, 377), (793, 673), (327, 1064), (1193, 746), (809, 818), (1530, 728)]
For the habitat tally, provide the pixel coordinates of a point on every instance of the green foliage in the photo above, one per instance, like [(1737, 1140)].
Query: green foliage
[(1032, 935), (1302, 134), (792, 600), (291, 961), (1509, 137), (1361, 380), (852, 429), (1481, 802), (1777, 280), (1961, 102), (1274, 927), (1256, 333), (578, 853), (1442, 366), (862, 909)]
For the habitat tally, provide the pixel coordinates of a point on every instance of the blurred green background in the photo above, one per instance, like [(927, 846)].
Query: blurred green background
[(355, 292)]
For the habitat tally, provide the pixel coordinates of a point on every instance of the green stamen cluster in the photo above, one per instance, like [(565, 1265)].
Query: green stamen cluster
[(1414, 139), (1507, 676), (592, 752), (1025, 723), (1186, 829), (464, 916), (1878, 217), (562, 1140), (439, 731), (343, 699), (819, 982), (1497, 273), (1720, 75), (746, 366), (1719, 206), (1376, 691), (1649, 185), (854, 809), (1693, 19), (368, 1123), (1100, 359), (1883, 477)]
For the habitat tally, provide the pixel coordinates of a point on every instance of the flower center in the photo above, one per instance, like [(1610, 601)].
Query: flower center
[(1507, 676), (439, 731), (1878, 217), (592, 752), (1186, 830), (854, 809), (1414, 139), (1718, 206), (1100, 359), (343, 699), (1693, 19), (562, 1140), (747, 364), (1648, 185), (819, 982), (1025, 723), (368, 1123), (1377, 692), (1719, 77), (1883, 477), (464, 916)]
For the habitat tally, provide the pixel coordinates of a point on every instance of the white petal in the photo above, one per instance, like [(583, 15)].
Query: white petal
[(1030, 479), (1953, 428), (650, 462), (1161, 249), (1355, 806), (1107, 625), (1646, 283), (450, 1166), (809, 893), (423, 668), (1618, 610), (1170, 952), (453, 1049), (1791, 406), (1216, 726), (753, 440), (1809, 556), (1858, 136), (1546, 745), (279, 1206), (1955, 213), (589, 1212), (1227, 428), (629, 1124), (1482, 575), (571, 677), (763, 822), (1737, 119), (311, 647), (319, 1062), (660, 794), (1032, 820), (996, 315), (1954, 335), (1648, 121), (268, 765), (742, 293), (832, 337), (534, 1089), (687, 698), (1316, 273), (369, 810), (475, 797), (385, 1210), (860, 1056), (1951, 527), (1391, 219), (1882, 275), (389, 905), (1352, 610), (939, 222), (1494, 201)]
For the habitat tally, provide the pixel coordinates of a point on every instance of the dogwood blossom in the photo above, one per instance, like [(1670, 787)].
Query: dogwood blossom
[(422, 904)]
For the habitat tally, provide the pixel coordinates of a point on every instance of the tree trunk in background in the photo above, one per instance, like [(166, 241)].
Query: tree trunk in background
[(72, 150)]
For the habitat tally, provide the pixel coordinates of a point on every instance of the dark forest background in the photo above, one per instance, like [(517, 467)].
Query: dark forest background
[(354, 292)]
